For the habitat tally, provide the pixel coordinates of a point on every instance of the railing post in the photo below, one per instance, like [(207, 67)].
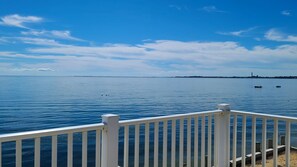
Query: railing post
[(222, 136), (110, 135)]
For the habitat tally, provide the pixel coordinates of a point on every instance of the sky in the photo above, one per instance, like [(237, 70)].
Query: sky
[(148, 37)]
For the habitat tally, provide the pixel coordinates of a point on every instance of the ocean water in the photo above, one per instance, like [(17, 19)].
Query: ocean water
[(33, 103)]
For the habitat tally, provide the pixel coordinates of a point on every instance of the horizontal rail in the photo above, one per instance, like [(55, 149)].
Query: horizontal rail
[(166, 118), (49, 132), (267, 116), (74, 129)]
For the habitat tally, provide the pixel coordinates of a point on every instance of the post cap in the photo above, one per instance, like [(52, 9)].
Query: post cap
[(110, 118), (110, 115), (224, 107)]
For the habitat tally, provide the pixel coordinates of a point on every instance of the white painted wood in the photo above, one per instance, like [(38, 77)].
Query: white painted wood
[(196, 126), (18, 156), (288, 143), (54, 151), (173, 144), (18, 137), (110, 135), (84, 149), (253, 141), (69, 150), (243, 141), (234, 151), (267, 116), (147, 145), (189, 142), (136, 149), (167, 117), (209, 157), (264, 138), (222, 136), (275, 143), (98, 148), (156, 144), (126, 146), (37, 152), (181, 143), (203, 141), (48, 132), (165, 136)]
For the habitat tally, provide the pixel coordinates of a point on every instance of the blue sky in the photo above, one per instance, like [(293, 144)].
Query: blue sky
[(148, 37)]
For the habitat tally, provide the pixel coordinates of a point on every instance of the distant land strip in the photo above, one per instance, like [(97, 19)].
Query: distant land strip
[(253, 77)]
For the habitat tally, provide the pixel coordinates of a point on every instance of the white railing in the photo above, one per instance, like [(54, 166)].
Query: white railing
[(274, 123), (218, 138)]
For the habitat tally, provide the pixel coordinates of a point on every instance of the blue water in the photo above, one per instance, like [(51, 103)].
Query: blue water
[(31, 103)]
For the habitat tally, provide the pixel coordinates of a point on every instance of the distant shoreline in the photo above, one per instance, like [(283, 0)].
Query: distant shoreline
[(240, 77), (194, 76)]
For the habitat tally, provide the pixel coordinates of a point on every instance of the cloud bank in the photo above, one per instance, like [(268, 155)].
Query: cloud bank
[(158, 58)]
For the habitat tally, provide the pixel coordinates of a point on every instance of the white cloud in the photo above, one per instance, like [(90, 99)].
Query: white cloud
[(16, 20), (276, 35), (175, 7), (239, 33), (203, 53), (52, 34), (38, 41), (31, 41), (212, 9), (161, 57), (286, 13), (115, 50), (3, 40), (179, 7), (23, 69)]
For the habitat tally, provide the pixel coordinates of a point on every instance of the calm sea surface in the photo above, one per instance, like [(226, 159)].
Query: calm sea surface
[(31, 103)]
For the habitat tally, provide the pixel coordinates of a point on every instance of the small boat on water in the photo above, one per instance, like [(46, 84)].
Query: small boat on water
[(278, 86), (258, 86)]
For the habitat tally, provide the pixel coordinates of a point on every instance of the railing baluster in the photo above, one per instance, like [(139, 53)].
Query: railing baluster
[(275, 142), (189, 142), (85, 149), (209, 140), (54, 151), (156, 144), (37, 152), (196, 142), (136, 152), (165, 129), (254, 141), (70, 149), (146, 145), (18, 153), (98, 148), (173, 142), (288, 143), (264, 124), (203, 141), (181, 143), (234, 140), (243, 142), (126, 147)]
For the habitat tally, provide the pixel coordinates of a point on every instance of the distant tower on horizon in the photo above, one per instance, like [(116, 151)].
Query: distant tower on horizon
[(252, 74)]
